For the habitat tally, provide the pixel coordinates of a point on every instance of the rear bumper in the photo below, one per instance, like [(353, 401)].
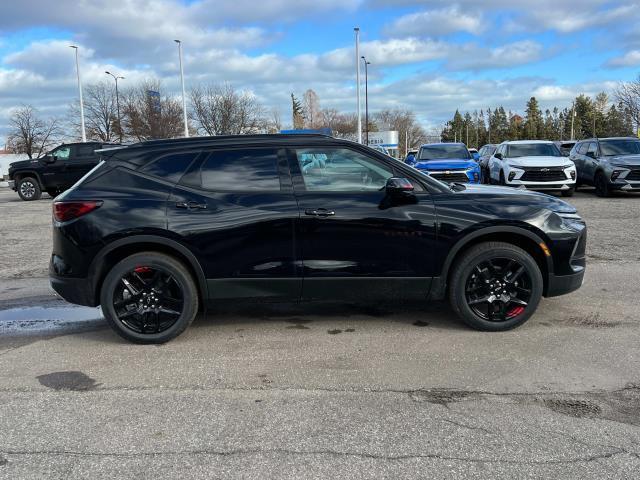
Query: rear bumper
[(561, 285), (73, 290)]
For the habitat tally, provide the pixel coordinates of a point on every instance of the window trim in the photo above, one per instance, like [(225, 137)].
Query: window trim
[(141, 169), (208, 152)]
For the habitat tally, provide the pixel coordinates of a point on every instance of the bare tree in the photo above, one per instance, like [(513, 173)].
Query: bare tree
[(220, 110), (311, 107), (628, 94), (274, 124), (404, 121), (31, 134), (100, 113), (149, 114)]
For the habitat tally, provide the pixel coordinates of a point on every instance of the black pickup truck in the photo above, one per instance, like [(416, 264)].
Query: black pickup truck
[(55, 171)]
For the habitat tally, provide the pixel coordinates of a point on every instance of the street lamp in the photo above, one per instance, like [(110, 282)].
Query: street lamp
[(84, 135), (366, 98), (184, 100), (116, 78), (357, 32)]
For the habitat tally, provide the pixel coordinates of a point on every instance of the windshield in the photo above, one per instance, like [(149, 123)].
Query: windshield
[(444, 152), (533, 150), (619, 147)]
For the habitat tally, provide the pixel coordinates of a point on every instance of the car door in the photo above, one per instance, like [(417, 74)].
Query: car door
[(590, 162), (355, 242), (235, 210), (495, 164), (55, 165)]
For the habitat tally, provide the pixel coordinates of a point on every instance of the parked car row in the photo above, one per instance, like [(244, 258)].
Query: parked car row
[(608, 164)]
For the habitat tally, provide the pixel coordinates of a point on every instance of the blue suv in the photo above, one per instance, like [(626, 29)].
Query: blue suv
[(448, 162)]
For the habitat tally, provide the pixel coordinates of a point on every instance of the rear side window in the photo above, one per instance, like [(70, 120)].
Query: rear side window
[(239, 170), (170, 167), (86, 150)]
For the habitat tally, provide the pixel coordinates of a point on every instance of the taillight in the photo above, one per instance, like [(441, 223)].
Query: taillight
[(65, 211)]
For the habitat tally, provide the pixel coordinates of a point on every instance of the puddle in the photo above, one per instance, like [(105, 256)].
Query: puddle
[(48, 319)]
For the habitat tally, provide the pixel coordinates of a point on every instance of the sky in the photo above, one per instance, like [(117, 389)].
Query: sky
[(432, 57)]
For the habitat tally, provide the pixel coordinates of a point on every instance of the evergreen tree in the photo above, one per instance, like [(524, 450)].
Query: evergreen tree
[(533, 122)]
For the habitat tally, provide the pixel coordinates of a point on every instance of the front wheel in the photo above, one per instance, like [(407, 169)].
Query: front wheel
[(568, 193), (495, 286), (149, 298), (29, 189)]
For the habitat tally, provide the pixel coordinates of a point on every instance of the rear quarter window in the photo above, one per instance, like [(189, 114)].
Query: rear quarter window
[(170, 167)]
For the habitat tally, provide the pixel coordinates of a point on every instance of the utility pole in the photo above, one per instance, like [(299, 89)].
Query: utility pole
[(184, 99), (366, 98), (84, 134), (358, 113), (573, 116)]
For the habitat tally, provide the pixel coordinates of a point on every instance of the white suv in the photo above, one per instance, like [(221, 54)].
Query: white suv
[(534, 164)]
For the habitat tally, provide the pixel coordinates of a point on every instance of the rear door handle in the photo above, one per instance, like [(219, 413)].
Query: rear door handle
[(319, 212), (191, 205)]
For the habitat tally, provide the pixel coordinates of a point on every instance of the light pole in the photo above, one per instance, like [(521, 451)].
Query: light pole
[(366, 98), (84, 135), (184, 100), (116, 78), (359, 115)]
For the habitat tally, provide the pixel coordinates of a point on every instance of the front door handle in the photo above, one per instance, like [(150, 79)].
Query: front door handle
[(319, 212), (191, 205)]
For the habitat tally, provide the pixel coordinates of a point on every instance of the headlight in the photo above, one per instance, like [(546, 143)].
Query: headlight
[(511, 165), (571, 221), (615, 175)]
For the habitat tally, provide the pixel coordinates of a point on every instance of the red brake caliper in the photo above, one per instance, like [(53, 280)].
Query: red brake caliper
[(515, 311)]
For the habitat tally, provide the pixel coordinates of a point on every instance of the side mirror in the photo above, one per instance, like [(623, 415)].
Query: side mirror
[(50, 158), (591, 155), (397, 186), (498, 156), (476, 156)]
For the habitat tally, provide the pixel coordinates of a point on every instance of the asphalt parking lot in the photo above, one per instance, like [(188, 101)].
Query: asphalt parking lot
[(324, 391)]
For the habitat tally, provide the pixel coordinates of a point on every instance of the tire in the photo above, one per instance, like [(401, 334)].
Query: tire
[(468, 276), (128, 309), (503, 182), (602, 185), (568, 193), (29, 189), (52, 193)]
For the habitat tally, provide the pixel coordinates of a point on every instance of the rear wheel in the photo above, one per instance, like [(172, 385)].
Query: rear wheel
[(602, 185), (52, 193), (29, 189), (495, 286), (149, 298)]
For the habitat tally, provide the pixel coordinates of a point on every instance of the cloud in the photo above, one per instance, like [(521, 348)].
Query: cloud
[(629, 59), (436, 22), (472, 57)]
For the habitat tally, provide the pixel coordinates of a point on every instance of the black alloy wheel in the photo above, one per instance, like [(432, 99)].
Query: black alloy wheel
[(495, 286), (149, 298), (498, 289)]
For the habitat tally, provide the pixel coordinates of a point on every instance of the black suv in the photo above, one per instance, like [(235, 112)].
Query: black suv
[(608, 164), (160, 229), (54, 172)]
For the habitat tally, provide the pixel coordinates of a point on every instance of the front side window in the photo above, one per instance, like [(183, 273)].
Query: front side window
[(444, 152), (341, 170), (533, 150), (593, 148), (582, 148), (239, 170), (62, 153), (619, 147), (170, 167)]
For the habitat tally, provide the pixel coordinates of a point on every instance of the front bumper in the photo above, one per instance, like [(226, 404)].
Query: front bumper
[(459, 176), (541, 178), (563, 284)]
